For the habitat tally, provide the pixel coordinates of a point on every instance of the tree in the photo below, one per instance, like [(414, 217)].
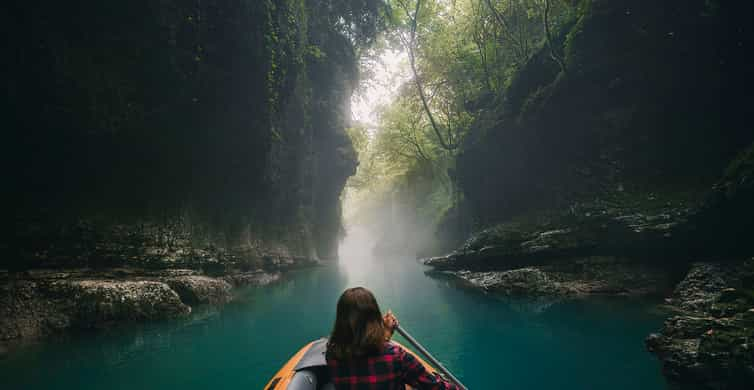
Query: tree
[(460, 54), (409, 41)]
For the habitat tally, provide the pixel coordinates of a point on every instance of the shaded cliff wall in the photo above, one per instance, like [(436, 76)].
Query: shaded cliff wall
[(184, 129), (655, 100)]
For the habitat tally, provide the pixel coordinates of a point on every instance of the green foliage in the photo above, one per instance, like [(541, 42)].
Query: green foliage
[(461, 53), (271, 40), (315, 53), (359, 138), (570, 47)]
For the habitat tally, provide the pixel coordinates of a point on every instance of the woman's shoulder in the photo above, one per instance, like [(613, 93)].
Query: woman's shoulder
[(392, 348)]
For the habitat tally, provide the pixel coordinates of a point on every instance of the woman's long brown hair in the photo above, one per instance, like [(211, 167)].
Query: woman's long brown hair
[(358, 330)]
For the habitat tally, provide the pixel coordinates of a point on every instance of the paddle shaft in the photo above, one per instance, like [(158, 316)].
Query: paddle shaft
[(429, 356)]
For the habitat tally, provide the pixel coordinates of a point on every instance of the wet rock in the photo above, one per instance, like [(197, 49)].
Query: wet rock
[(38, 303), (580, 276), (253, 278), (39, 307), (441, 262), (195, 289), (520, 282), (25, 311), (709, 343), (177, 272), (586, 230), (3, 352), (96, 303), (547, 240), (679, 357), (701, 287)]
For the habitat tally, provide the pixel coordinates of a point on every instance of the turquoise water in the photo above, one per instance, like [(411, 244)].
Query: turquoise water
[(487, 342)]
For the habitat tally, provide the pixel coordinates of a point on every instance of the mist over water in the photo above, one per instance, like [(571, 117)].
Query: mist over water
[(487, 342), (355, 258)]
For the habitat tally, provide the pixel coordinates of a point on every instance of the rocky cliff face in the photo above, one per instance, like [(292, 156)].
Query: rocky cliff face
[(651, 105), (177, 133), (161, 152), (614, 175), (706, 344)]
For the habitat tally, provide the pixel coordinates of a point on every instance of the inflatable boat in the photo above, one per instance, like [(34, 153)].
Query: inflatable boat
[(307, 369)]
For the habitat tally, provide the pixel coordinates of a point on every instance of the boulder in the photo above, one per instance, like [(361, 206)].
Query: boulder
[(701, 287), (195, 289), (96, 303)]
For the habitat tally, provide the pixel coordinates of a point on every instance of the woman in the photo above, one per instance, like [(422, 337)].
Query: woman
[(360, 354)]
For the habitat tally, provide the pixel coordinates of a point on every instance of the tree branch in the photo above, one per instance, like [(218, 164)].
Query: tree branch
[(548, 36), (412, 62)]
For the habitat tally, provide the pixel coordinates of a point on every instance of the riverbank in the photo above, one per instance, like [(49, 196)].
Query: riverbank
[(616, 244), (40, 303), (593, 343), (691, 246), (706, 343), (582, 277), (95, 273)]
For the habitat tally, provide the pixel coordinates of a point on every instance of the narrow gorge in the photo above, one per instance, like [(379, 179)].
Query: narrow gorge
[(552, 193), (162, 152)]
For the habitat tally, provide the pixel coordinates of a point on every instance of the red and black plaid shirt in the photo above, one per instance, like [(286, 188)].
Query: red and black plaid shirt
[(391, 370)]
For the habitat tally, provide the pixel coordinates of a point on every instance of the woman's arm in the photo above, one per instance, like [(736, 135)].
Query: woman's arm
[(418, 377)]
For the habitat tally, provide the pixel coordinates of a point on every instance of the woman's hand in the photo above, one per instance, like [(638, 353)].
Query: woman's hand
[(390, 324)]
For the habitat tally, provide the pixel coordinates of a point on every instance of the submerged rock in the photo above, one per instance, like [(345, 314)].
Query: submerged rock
[(701, 287), (195, 289)]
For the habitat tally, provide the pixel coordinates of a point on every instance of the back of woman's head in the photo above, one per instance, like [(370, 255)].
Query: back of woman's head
[(358, 330)]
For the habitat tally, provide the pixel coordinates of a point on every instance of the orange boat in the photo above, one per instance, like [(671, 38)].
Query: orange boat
[(307, 369)]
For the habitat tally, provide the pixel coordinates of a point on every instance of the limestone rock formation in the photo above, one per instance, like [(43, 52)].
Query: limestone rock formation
[(43, 302), (709, 343), (253, 278), (100, 302), (527, 282), (195, 289)]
